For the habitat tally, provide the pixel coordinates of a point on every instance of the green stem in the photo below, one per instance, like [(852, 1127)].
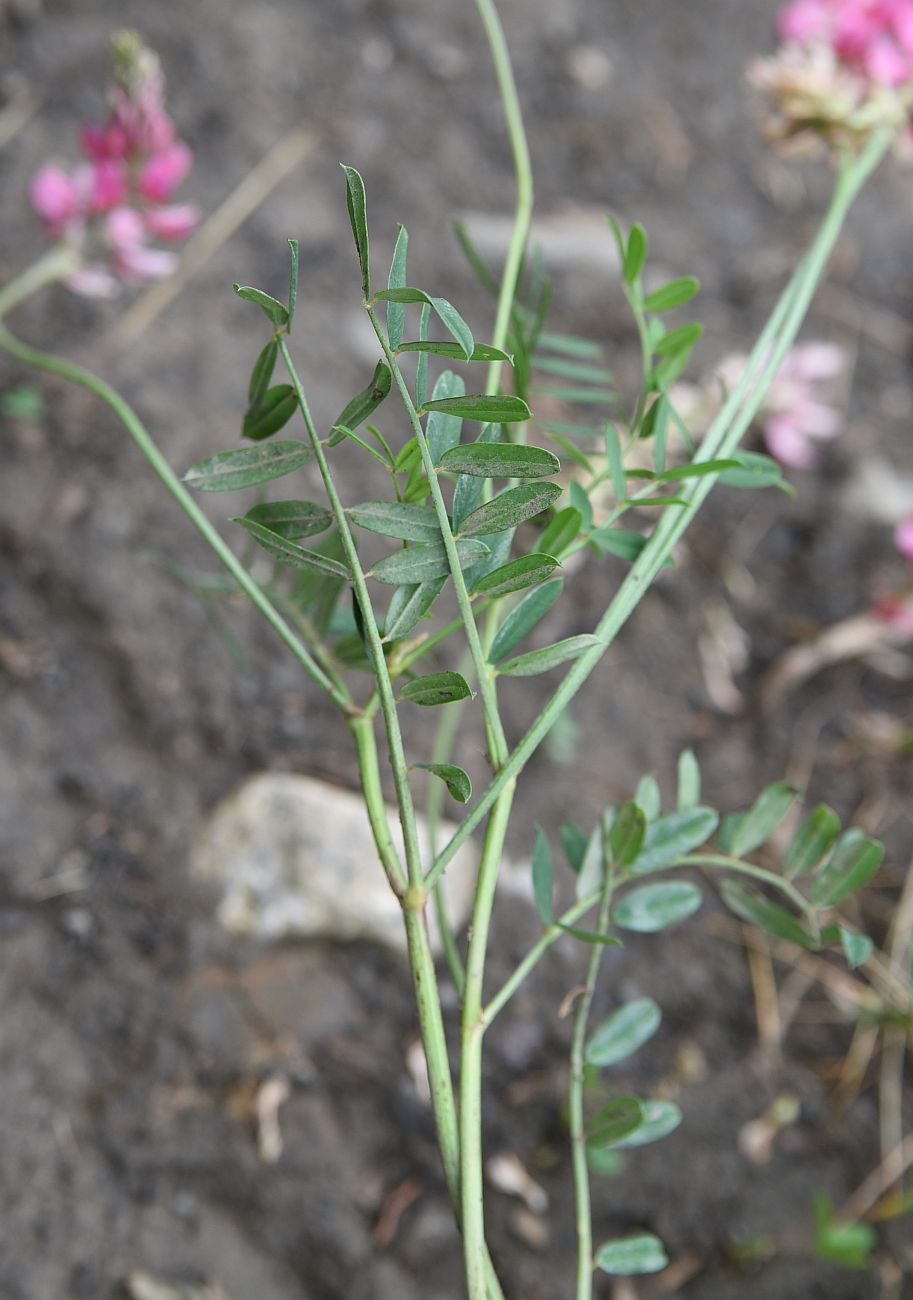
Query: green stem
[(497, 739), (362, 730), (375, 647), (424, 980), (141, 436), (441, 752), (471, 1037), (534, 956), (577, 1126), (56, 264), (738, 867), (523, 176), (721, 440)]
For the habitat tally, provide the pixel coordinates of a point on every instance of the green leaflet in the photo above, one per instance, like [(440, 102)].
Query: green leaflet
[(408, 522), (289, 553), (500, 460), (523, 618), (490, 410), (643, 1253), (409, 606), (396, 314), (436, 688), (448, 315), (423, 562), (654, 907), (358, 218), (455, 779), (517, 574), (270, 413), (623, 1032), (242, 467), (510, 509), (274, 310), (291, 519), (550, 656), (363, 404)]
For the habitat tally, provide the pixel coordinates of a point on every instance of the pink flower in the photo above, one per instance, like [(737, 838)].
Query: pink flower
[(164, 172), (133, 258), (102, 142), (844, 70), (54, 197), (794, 417), (174, 221), (108, 186), (113, 204)]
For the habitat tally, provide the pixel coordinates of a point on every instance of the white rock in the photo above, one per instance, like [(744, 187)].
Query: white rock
[(291, 856)]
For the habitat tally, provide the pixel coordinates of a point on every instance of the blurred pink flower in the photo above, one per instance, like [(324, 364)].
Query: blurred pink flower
[(54, 196), (845, 69), (903, 539), (873, 37), (172, 221), (112, 205), (795, 415), (164, 172)]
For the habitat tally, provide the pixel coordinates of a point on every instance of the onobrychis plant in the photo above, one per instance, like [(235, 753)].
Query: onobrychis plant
[(476, 523)]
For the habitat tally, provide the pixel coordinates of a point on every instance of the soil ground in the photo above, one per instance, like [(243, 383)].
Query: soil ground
[(134, 1033)]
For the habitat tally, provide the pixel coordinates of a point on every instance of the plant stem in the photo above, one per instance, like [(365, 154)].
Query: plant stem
[(523, 175), (56, 264), (375, 647), (413, 899), (441, 752), (143, 439), (494, 729), (738, 867), (362, 730), (584, 1289), (471, 1036), (535, 954), (721, 440)]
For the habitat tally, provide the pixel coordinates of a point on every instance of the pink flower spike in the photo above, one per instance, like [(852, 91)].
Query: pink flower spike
[(109, 186), (164, 172), (175, 221), (903, 539), (54, 197)]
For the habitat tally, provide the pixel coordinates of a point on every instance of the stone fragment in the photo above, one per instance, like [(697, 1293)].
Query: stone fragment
[(292, 856)]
